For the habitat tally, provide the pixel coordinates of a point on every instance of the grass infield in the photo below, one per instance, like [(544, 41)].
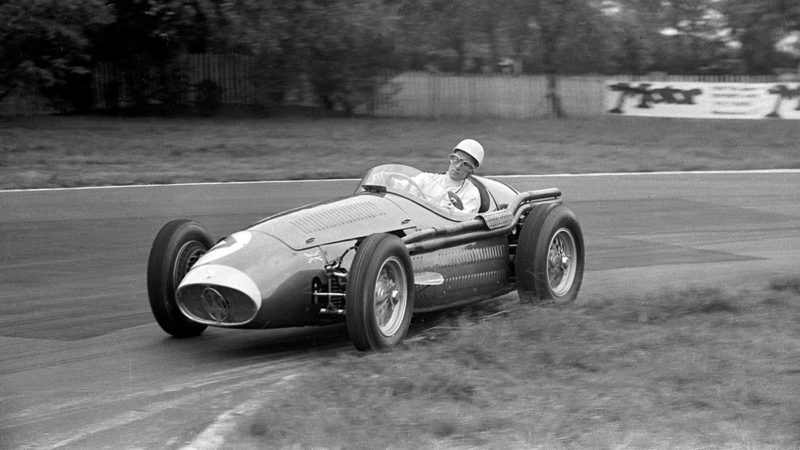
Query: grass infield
[(700, 368), (91, 151)]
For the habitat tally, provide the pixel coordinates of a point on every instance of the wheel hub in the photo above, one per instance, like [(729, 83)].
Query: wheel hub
[(560, 269), (390, 297)]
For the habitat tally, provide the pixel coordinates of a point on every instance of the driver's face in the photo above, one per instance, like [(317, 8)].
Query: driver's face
[(461, 166)]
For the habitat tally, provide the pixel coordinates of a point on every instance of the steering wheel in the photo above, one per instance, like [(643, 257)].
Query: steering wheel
[(412, 188), (455, 200)]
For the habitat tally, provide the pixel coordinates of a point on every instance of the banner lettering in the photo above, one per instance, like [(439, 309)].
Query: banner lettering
[(704, 100)]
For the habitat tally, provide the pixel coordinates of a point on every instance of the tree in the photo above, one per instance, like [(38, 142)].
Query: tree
[(339, 46), (452, 24), (759, 25), (633, 49), (269, 30), (131, 34), (551, 19), (444, 33), (346, 49), (150, 38), (45, 46), (144, 41), (554, 23), (692, 32)]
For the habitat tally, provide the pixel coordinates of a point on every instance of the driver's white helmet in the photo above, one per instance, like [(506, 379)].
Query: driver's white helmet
[(472, 148)]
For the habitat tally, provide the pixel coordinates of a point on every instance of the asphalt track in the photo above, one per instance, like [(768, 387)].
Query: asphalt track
[(83, 364)]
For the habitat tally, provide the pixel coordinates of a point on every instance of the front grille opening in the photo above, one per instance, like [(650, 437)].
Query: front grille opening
[(217, 304)]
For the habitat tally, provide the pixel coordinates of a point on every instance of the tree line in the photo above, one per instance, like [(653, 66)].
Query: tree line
[(340, 47)]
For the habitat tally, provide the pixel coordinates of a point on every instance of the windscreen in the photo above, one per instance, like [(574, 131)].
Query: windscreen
[(401, 180)]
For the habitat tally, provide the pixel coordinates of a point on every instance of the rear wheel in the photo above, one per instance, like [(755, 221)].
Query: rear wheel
[(380, 293), (177, 247), (550, 256)]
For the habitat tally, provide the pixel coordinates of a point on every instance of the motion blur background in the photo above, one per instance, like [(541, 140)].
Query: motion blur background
[(411, 58)]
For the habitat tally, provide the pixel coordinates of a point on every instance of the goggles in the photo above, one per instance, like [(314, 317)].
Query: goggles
[(457, 160)]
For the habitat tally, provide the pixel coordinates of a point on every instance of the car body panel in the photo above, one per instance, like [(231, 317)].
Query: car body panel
[(339, 220), (472, 271)]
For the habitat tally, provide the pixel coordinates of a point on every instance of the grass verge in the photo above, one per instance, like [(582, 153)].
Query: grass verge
[(85, 151), (696, 368)]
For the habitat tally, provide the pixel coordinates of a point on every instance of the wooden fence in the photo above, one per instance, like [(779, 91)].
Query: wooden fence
[(436, 95), (237, 76), (410, 94)]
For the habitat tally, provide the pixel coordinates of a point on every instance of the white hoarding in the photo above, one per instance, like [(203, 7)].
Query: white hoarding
[(704, 100)]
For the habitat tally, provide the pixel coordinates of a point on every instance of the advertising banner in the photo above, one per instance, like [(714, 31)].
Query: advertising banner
[(704, 100)]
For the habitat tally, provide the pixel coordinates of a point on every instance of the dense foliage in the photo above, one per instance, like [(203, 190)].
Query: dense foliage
[(45, 45), (340, 47)]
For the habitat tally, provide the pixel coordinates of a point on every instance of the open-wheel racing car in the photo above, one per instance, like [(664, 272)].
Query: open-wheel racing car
[(371, 259)]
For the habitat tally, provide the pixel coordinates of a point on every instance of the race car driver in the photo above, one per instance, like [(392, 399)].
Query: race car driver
[(453, 190)]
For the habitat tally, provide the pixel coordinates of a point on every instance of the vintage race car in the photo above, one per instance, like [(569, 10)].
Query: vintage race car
[(371, 259)]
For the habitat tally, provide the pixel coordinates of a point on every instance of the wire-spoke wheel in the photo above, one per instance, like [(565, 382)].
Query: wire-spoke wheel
[(380, 295), (561, 262), (391, 296), (550, 256)]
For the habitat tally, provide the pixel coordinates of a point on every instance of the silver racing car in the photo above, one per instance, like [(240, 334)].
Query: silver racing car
[(370, 259)]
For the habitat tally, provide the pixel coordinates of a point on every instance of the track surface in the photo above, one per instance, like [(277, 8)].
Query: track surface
[(83, 364)]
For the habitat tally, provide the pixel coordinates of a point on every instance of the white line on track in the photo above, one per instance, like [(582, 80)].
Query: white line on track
[(213, 437), (637, 174), (558, 175)]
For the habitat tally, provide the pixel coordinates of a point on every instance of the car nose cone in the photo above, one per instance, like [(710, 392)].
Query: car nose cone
[(218, 295)]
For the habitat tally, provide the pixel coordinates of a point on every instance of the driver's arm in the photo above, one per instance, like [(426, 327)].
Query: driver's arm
[(423, 180)]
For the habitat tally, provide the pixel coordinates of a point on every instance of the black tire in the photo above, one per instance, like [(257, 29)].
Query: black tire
[(550, 256), (381, 277), (178, 245)]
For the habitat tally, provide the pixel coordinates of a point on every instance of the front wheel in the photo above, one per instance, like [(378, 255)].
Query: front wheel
[(176, 248), (380, 293), (550, 256)]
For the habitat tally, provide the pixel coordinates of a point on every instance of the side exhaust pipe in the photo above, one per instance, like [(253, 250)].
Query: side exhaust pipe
[(484, 226)]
